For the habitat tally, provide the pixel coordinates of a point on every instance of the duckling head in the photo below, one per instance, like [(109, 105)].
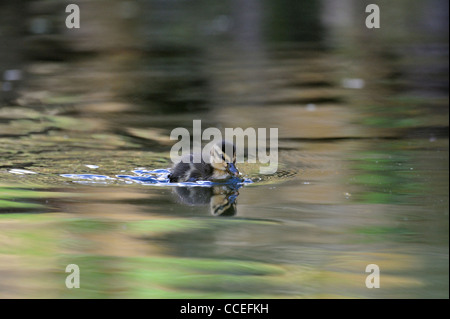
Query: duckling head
[(223, 159)]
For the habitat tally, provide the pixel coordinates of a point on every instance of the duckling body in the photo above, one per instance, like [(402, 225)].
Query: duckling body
[(188, 171), (221, 165)]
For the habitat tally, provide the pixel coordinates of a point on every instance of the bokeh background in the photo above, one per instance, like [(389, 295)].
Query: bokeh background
[(363, 121)]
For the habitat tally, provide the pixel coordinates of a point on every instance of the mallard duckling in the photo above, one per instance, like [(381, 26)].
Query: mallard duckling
[(222, 165)]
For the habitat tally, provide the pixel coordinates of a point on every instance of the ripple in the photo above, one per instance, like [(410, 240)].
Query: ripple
[(21, 171), (87, 176), (157, 177)]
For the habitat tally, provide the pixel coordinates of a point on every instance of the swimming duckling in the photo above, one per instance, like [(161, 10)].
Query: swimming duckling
[(222, 165)]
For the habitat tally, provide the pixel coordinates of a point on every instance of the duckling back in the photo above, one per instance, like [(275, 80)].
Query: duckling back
[(188, 171)]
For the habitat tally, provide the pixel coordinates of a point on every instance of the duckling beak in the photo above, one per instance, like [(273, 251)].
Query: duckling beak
[(231, 168)]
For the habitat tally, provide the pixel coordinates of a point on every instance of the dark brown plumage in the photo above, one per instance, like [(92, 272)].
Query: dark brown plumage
[(221, 165)]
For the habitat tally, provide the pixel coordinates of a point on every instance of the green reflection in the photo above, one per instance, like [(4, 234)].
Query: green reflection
[(386, 176)]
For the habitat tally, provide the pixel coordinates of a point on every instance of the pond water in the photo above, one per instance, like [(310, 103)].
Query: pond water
[(363, 177)]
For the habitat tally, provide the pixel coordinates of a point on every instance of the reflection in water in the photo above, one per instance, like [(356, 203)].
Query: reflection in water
[(221, 199)]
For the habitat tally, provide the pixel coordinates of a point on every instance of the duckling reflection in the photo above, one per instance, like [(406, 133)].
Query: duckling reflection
[(222, 165), (221, 199)]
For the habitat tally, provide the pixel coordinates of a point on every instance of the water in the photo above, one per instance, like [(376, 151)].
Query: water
[(363, 153)]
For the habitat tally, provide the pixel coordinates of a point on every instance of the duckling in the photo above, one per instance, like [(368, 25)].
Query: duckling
[(221, 199), (222, 165)]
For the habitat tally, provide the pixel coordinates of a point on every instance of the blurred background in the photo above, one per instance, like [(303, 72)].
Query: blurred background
[(363, 122)]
